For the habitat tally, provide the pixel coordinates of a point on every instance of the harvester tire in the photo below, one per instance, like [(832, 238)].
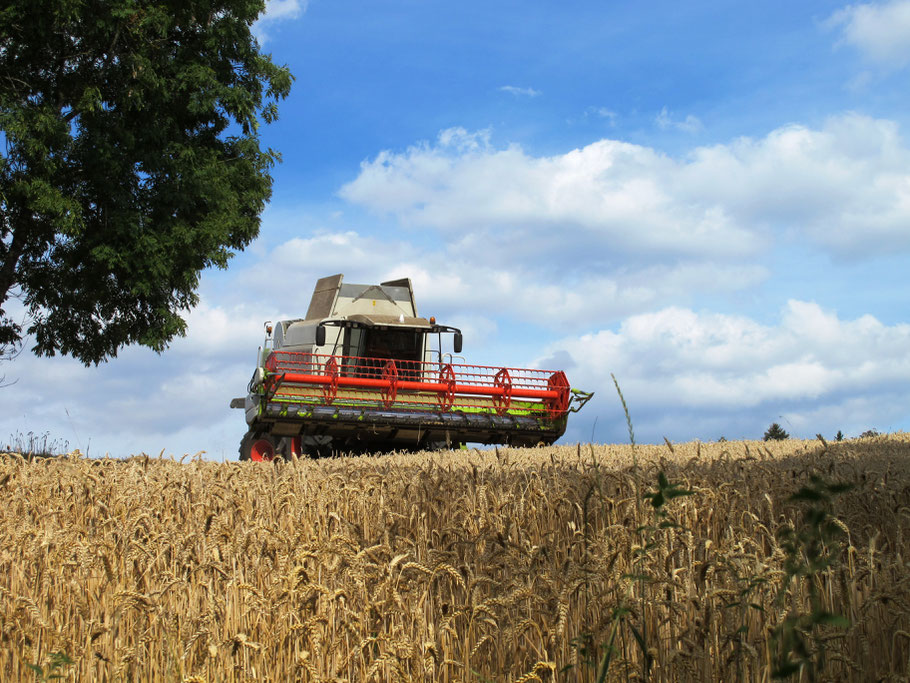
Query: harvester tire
[(259, 447)]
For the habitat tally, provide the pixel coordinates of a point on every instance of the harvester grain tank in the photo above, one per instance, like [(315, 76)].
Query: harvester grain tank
[(362, 372)]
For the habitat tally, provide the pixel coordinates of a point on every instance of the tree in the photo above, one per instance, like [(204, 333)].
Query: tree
[(775, 433), (131, 163)]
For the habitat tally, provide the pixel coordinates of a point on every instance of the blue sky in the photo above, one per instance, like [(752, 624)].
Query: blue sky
[(710, 200)]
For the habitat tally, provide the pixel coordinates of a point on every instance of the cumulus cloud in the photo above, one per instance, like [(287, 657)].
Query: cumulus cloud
[(138, 402), (286, 274), (340, 250), (844, 187), (217, 331), (677, 363), (880, 31), (461, 280), (609, 194), (275, 11), (142, 400)]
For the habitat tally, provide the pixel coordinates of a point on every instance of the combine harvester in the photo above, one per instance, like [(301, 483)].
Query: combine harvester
[(362, 373)]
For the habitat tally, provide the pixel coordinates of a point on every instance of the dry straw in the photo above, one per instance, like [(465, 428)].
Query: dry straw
[(451, 566)]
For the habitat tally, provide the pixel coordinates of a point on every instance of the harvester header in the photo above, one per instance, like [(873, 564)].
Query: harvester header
[(363, 372)]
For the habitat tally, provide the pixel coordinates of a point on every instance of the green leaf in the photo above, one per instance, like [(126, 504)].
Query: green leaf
[(808, 494), (604, 667), (642, 645), (60, 659), (678, 493)]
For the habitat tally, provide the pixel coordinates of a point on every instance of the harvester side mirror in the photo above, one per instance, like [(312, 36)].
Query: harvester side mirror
[(320, 335), (457, 342)]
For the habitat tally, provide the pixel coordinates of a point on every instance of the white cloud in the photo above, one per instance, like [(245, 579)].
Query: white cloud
[(284, 9), (880, 31), (286, 274), (676, 363), (275, 11), (584, 299), (690, 124), (218, 331), (608, 195), (465, 279), (520, 92), (142, 400), (844, 187)]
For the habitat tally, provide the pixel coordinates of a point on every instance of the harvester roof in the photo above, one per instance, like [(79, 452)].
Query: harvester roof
[(387, 302)]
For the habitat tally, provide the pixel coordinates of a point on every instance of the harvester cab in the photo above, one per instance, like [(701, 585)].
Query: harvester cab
[(362, 372)]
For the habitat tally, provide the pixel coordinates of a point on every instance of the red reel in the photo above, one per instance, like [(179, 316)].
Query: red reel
[(558, 382), (330, 390), (446, 398), (501, 402), (390, 375)]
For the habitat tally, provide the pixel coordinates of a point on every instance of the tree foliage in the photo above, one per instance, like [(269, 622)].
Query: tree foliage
[(775, 433), (130, 162)]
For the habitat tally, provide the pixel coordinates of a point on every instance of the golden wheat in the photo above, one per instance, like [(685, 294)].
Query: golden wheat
[(448, 566)]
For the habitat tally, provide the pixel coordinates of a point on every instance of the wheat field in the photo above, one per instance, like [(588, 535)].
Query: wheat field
[(504, 565)]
